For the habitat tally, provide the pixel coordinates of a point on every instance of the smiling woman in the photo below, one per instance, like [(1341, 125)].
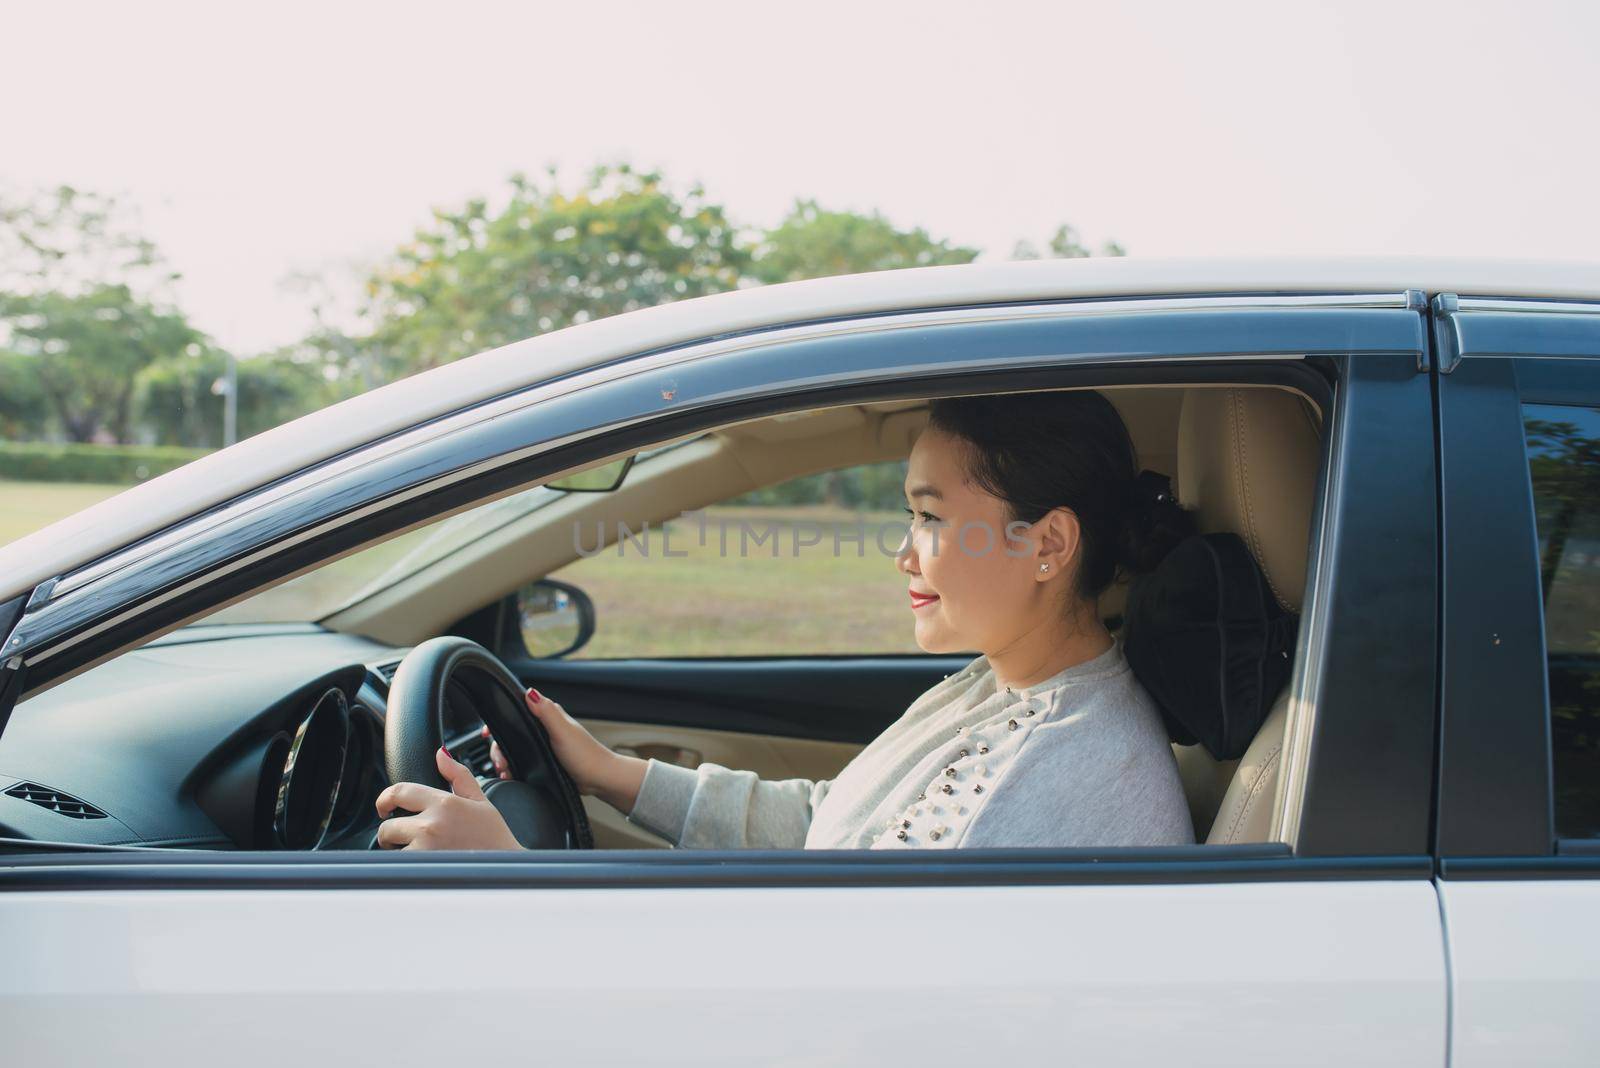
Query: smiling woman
[(1001, 471)]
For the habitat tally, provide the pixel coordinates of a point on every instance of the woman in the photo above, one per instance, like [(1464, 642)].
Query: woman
[(1023, 509)]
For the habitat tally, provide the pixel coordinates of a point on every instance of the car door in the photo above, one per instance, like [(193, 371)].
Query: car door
[(1323, 947), (1519, 803)]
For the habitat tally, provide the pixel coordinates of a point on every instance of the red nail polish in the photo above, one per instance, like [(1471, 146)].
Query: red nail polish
[(485, 731), (446, 752), (535, 695)]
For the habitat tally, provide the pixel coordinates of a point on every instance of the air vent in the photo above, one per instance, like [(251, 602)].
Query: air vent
[(55, 801), (385, 672), (473, 751)]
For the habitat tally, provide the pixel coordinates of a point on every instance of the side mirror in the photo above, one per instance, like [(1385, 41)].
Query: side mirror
[(549, 619)]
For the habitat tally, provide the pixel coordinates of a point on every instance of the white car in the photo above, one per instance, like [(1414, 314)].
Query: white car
[(199, 699)]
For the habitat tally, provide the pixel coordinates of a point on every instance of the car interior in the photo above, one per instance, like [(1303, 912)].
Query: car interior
[(1244, 458)]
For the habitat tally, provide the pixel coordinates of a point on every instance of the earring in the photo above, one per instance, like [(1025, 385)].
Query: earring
[(1044, 567)]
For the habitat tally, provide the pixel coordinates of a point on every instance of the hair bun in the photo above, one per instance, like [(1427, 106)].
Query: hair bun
[(1153, 522), (1066, 448)]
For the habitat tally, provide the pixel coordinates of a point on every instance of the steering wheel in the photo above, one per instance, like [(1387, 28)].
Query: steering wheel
[(539, 802)]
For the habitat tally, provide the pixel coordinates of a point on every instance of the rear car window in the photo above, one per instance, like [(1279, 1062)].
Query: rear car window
[(1564, 462)]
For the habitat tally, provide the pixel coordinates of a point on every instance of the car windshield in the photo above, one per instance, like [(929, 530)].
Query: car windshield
[(322, 592)]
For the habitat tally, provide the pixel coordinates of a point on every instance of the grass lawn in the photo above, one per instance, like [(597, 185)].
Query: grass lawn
[(29, 506)]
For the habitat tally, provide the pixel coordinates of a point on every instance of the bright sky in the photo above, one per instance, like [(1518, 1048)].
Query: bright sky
[(314, 137)]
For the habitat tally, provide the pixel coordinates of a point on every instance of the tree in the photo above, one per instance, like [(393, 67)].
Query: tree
[(81, 309), (481, 277), (24, 411), (811, 242), (68, 240), (179, 403), (1064, 245), (86, 351), (348, 363)]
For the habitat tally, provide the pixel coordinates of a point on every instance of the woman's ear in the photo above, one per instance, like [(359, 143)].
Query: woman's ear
[(1059, 538)]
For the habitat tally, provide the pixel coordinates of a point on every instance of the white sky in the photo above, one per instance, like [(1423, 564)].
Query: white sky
[(315, 137)]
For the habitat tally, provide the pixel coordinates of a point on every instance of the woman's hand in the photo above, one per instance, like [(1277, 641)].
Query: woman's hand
[(595, 769), (460, 819)]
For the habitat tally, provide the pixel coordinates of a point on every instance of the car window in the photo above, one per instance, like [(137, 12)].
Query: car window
[(1564, 461), (803, 567)]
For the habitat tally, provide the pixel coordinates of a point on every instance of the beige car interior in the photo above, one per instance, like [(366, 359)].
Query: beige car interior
[(1244, 458)]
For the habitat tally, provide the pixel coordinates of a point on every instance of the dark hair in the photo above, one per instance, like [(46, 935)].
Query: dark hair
[(1069, 449)]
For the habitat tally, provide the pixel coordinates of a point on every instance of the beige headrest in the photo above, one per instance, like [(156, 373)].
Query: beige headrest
[(1247, 462)]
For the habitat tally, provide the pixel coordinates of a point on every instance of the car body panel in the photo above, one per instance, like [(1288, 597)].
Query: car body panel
[(1362, 734), (1524, 971), (1493, 705), (1201, 974)]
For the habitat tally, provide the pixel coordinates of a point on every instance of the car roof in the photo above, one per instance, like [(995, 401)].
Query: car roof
[(228, 473)]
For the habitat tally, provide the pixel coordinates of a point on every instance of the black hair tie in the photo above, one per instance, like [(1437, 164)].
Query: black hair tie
[(1153, 488)]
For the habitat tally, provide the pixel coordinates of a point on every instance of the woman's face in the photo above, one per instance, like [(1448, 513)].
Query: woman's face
[(967, 592)]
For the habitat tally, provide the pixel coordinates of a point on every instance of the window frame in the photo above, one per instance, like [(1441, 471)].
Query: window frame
[(1366, 353), (511, 442), (1496, 810)]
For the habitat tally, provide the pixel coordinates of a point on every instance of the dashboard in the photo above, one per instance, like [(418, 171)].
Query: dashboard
[(214, 737)]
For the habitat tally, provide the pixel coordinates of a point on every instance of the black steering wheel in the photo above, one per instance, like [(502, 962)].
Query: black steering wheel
[(539, 802)]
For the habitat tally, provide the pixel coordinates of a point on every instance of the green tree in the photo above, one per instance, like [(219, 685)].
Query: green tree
[(179, 402), (481, 277), (86, 351), (82, 310), (1064, 244), (24, 411), (811, 242)]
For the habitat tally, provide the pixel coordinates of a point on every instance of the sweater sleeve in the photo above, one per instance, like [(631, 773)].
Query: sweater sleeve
[(713, 807)]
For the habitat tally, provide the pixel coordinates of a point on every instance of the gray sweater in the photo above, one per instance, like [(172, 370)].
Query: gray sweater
[(1081, 759)]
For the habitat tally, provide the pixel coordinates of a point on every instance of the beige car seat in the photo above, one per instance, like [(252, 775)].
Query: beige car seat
[(1247, 463)]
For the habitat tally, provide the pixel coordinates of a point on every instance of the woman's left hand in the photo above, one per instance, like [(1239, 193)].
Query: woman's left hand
[(460, 819)]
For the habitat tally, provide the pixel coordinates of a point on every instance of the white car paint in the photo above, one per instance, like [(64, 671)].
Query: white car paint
[(255, 461), (1309, 973), (1525, 972)]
